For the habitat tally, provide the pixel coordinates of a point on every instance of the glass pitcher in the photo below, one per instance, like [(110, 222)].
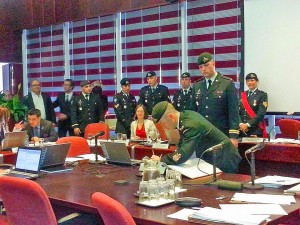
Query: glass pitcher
[(151, 170)]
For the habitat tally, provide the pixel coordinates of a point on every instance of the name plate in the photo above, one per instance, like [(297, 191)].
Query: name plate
[(160, 145), (252, 140)]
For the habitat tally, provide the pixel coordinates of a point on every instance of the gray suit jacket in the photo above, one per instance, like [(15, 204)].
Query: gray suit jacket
[(46, 131)]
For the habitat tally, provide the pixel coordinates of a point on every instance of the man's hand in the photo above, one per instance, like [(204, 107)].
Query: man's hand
[(244, 127), (77, 131), (234, 141), (35, 139), (19, 126), (156, 158), (62, 116)]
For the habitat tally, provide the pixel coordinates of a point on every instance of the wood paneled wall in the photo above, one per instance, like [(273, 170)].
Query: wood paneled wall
[(16, 15)]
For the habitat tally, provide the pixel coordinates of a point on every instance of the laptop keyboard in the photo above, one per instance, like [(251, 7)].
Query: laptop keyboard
[(22, 174)]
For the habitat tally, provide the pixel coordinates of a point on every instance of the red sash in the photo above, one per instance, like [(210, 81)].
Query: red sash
[(251, 113)]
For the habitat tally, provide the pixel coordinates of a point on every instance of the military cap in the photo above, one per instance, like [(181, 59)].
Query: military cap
[(252, 76), (159, 110), (204, 58), (151, 74), (84, 82), (185, 75), (125, 81)]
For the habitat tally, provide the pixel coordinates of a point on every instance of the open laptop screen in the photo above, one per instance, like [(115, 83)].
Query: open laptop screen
[(28, 160)]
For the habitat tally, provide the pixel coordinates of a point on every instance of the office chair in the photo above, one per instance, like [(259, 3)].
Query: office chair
[(111, 211), (26, 203), (78, 146), (289, 128), (94, 128)]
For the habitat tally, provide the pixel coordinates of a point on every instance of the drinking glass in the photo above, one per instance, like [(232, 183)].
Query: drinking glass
[(119, 136), (124, 137), (153, 191), (143, 191)]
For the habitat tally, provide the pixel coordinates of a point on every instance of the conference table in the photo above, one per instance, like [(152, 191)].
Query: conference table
[(72, 191)]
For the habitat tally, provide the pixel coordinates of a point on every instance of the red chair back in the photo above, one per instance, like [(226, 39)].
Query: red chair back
[(289, 128), (94, 128), (26, 203), (111, 211), (78, 146)]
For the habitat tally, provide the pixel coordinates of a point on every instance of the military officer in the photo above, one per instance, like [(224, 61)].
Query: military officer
[(86, 108), (253, 108), (124, 107), (216, 98), (183, 98), (153, 93), (196, 135)]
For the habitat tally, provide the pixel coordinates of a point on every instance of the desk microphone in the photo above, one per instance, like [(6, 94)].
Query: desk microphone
[(98, 134), (96, 142), (216, 147), (269, 133), (255, 148)]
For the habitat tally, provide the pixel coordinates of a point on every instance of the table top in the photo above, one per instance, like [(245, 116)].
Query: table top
[(74, 189)]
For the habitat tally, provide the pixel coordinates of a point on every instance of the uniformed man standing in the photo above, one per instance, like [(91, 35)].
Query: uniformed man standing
[(253, 108), (153, 93), (86, 108), (216, 98), (124, 106), (183, 98)]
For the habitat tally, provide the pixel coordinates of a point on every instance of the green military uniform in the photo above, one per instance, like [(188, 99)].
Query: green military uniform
[(219, 104), (197, 135), (84, 112), (124, 107), (184, 100), (258, 101)]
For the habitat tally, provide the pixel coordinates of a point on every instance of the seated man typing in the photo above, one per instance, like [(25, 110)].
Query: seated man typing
[(196, 135), (37, 128)]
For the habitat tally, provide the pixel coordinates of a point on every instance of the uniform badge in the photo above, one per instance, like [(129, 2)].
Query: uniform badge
[(115, 100), (125, 106), (176, 157), (254, 103), (265, 104), (80, 105), (116, 105)]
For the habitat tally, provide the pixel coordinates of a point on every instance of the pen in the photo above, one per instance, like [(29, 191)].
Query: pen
[(152, 151)]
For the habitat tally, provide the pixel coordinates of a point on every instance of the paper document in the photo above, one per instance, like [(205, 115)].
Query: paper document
[(276, 181), (220, 216), (91, 156), (293, 190), (182, 214), (190, 169), (264, 198), (254, 209)]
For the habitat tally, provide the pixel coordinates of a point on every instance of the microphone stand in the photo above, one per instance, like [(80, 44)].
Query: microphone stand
[(253, 186), (96, 147)]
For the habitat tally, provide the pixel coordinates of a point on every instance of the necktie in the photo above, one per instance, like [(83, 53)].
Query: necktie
[(209, 84), (36, 132), (87, 97), (250, 93), (152, 89), (185, 92), (67, 98)]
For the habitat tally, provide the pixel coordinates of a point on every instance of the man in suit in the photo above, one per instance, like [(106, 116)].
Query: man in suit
[(216, 98), (183, 98), (196, 135), (64, 101), (153, 93), (124, 107), (253, 108), (86, 108), (37, 128), (39, 100)]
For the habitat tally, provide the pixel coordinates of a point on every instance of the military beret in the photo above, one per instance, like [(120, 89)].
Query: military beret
[(185, 75), (151, 74), (204, 58), (125, 81), (84, 82), (159, 110), (252, 76)]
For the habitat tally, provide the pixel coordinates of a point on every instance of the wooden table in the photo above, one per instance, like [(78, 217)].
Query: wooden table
[(73, 191)]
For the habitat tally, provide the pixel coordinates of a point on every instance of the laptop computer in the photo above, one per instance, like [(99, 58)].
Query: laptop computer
[(27, 164), (14, 139), (117, 153), (53, 157)]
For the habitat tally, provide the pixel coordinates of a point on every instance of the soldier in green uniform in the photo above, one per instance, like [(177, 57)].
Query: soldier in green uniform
[(253, 108), (216, 98), (86, 108), (124, 106), (183, 98), (196, 135), (153, 93)]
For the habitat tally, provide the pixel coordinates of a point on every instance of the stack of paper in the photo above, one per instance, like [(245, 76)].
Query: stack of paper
[(263, 198), (90, 157), (220, 216), (276, 181), (191, 170), (293, 190)]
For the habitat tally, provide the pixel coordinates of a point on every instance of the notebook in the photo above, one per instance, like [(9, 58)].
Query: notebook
[(14, 139), (27, 164), (117, 153), (53, 157)]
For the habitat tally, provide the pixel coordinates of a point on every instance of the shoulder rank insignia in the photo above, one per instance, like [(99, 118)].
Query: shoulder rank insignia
[(265, 103), (176, 157)]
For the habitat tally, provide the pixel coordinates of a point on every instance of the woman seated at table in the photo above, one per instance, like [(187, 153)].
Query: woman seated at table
[(142, 126)]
